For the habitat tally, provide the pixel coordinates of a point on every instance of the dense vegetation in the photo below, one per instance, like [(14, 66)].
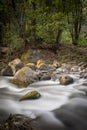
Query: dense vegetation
[(42, 21)]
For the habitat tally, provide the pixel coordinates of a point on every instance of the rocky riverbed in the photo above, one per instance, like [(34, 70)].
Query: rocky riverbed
[(61, 90)]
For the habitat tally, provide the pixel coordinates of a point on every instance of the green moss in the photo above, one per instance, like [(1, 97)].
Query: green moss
[(19, 83), (30, 95)]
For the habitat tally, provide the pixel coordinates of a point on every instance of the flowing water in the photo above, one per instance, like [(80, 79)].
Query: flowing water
[(59, 108)]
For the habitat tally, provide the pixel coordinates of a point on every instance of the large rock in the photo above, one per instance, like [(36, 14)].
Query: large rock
[(30, 95), (15, 65), (66, 80), (7, 71), (31, 65), (19, 122), (25, 76), (44, 76), (41, 64)]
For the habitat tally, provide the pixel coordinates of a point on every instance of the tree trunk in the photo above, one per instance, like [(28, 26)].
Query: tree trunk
[(58, 38), (76, 33), (34, 22)]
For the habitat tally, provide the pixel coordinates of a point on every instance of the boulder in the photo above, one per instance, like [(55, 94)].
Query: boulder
[(44, 76), (25, 76), (65, 80), (15, 65), (19, 122), (30, 95), (41, 64), (56, 64), (7, 71), (31, 65)]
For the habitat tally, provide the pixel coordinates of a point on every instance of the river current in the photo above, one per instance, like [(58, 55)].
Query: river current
[(59, 108)]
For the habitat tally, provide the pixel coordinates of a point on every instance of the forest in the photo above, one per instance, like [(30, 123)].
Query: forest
[(43, 64), (46, 22)]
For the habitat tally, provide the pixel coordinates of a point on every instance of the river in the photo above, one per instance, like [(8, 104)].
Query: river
[(59, 108)]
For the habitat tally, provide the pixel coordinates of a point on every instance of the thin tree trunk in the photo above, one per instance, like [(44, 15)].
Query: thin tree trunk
[(76, 33), (58, 38)]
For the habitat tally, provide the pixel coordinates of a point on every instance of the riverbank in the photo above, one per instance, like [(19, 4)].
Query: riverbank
[(66, 53)]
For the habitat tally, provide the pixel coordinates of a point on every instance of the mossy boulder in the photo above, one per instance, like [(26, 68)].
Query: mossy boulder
[(25, 76), (66, 80), (19, 83), (30, 95)]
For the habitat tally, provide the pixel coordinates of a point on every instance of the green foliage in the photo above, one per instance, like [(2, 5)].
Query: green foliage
[(83, 39), (48, 25), (35, 19), (12, 40), (66, 38)]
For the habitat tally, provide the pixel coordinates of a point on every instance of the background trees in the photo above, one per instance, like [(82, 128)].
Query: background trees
[(30, 20)]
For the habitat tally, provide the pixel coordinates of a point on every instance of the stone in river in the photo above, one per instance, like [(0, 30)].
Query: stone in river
[(30, 95), (66, 80)]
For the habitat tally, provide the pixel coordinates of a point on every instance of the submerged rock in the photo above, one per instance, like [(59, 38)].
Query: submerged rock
[(65, 80), (30, 95)]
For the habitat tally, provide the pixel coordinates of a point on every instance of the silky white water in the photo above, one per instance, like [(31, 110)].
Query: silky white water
[(53, 96)]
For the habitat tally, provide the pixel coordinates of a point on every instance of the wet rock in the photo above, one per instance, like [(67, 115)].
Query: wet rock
[(74, 69), (83, 75), (7, 71), (31, 65), (41, 64), (30, 95), (83, 68), (56, 64), (66, 80), (25, 76), (45, 76), (66, 67), (16, 65), (19, 122)]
